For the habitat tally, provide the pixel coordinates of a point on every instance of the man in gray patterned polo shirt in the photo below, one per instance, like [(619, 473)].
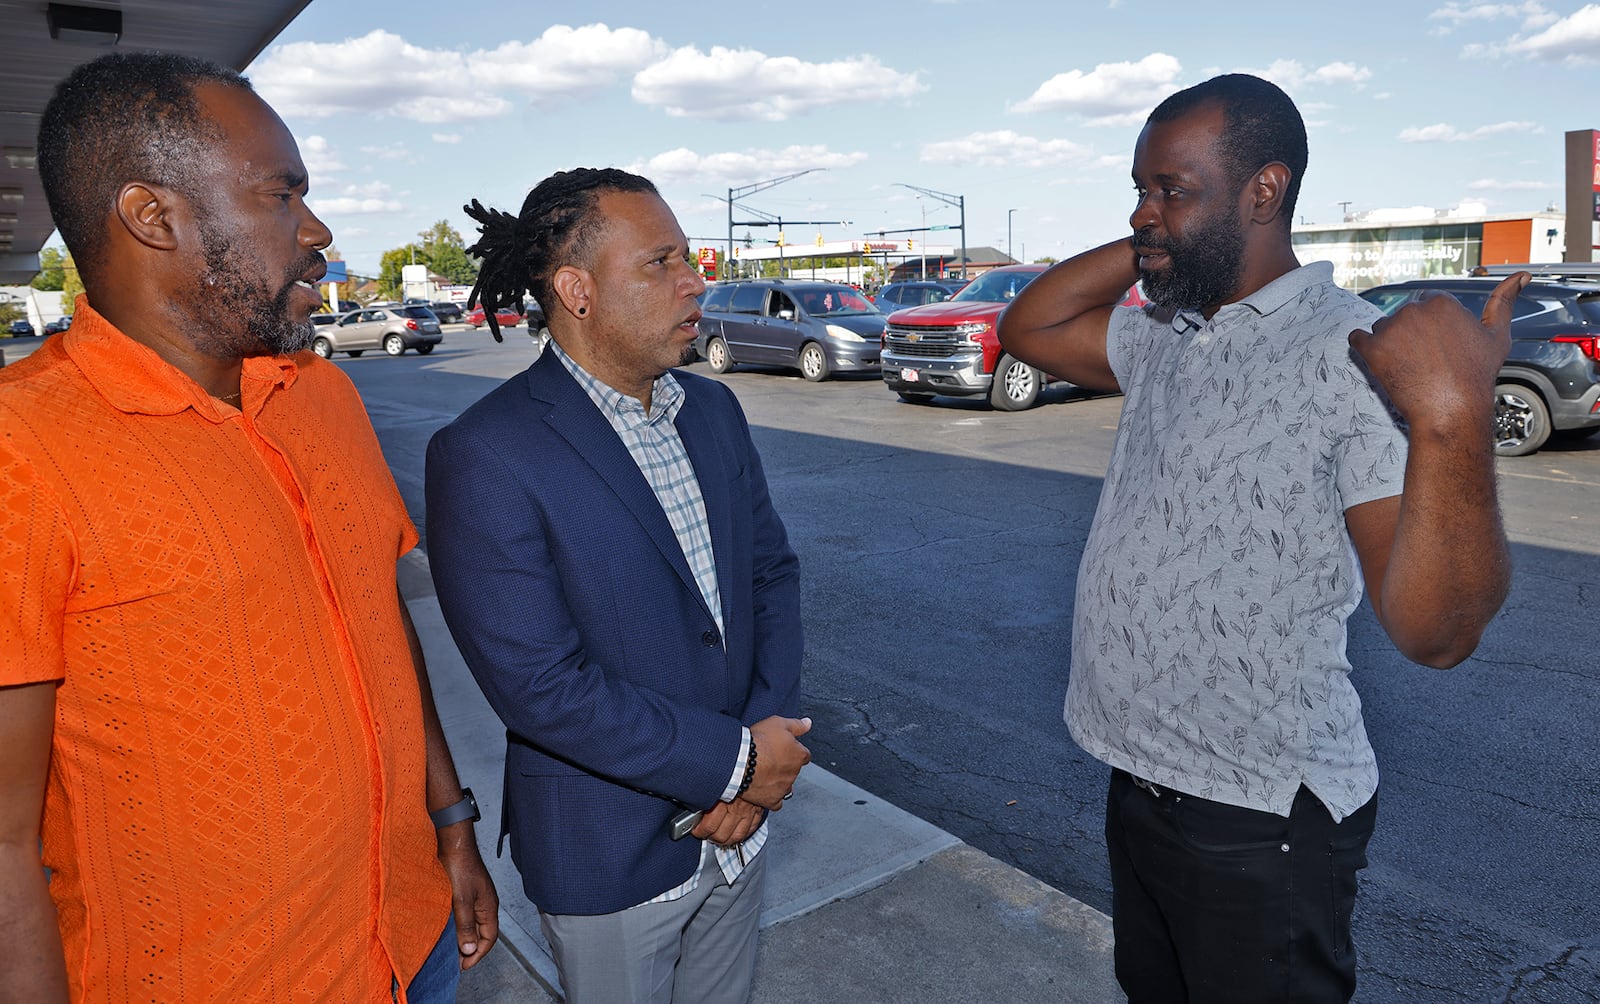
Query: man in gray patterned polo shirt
[(1273, 459)]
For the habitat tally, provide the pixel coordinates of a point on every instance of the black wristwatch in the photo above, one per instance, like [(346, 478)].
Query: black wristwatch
[(467, 808)]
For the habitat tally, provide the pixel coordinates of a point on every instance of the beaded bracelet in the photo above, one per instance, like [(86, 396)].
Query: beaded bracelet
[(749, 770)]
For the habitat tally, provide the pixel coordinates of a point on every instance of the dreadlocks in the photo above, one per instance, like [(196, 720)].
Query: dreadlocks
[(557, 226)]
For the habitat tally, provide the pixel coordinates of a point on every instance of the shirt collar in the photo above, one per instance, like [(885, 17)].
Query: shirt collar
[(134, 379), (666, 394), (1269, 298)]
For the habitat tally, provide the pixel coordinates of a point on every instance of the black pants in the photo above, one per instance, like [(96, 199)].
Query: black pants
[(1214, 903)]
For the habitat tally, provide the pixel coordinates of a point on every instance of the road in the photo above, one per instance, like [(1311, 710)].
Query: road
[(939, 547)]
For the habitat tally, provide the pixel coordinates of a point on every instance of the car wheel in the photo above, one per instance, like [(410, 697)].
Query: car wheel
[(914, 397), (813, 362), (717, 356), (394, 345), (322, 347), (1521, 421), (355, 353), (424, 348), (1016, 385)]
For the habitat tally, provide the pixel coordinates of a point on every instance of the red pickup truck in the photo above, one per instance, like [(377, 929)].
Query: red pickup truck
[(951, 348)]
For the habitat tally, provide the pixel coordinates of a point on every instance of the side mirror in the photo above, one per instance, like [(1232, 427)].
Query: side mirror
[(786, 315)]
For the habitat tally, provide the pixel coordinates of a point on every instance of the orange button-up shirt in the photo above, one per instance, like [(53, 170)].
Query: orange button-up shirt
[(235, 807)]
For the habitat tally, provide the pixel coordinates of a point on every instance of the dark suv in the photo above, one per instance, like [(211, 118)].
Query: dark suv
[(897, 295), (816, 327), (1550, 383)]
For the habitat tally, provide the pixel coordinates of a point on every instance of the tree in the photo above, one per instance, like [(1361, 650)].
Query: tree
[(50, 274), (71, 284), (389, 281), (445, 253)]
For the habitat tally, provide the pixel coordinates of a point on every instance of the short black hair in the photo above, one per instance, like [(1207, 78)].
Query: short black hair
[(557, 226), (1260, 125), (127, 116)]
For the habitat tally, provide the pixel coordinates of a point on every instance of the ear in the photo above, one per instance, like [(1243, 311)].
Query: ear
[(573, 286), (146, 213), (1266, 192)]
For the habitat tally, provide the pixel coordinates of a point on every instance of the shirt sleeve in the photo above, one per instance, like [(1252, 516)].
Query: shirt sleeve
[(1126, 342), (1369, 446), (731, 792), (37, 558)]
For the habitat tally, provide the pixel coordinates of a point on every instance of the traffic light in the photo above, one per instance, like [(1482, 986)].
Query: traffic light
[(911, 244)]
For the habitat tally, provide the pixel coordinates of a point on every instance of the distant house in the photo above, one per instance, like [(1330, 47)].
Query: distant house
[(978, 261)]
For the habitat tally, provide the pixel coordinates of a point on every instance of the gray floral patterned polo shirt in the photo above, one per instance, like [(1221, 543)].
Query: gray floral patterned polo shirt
[(1208, 643)]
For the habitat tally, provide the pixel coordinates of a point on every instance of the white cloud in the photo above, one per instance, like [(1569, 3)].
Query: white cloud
[(448, 138), (319, 157), (1445, 133), (1492, 185), (1110, 94), (393, 151), (1005, 148), (368, 198), (381, 73), (1291, 75), (1532, 13), (1575, 38), (744, 84), (682, 164)]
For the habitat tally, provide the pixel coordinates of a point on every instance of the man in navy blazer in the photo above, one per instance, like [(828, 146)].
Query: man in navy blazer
[(609, 562)]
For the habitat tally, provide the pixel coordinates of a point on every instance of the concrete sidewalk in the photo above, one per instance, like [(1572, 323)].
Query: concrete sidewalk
[(865, 902)]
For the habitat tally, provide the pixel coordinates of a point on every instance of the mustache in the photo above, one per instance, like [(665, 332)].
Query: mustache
[(1145, 237), (313, 262)]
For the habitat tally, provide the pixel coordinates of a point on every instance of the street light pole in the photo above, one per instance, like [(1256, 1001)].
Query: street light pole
[(1008, 233)]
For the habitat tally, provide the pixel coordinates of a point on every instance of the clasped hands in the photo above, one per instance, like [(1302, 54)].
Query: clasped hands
[(779, 757)]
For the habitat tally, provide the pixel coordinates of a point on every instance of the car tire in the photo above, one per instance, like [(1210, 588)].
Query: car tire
[(355, 353), (717, 356), (322, 347), (1016, 385), (914, 397), (424, 348), (813, 362), (394, 345), (1521, 420)]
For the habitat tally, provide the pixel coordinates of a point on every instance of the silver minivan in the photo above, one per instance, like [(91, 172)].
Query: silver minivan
[(815, 327)]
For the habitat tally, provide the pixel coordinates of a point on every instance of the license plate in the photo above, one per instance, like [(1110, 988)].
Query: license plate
[(910, 375)]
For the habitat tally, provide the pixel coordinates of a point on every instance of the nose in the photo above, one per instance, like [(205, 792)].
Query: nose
[(697, 282), (1144, 214), (314, 233)]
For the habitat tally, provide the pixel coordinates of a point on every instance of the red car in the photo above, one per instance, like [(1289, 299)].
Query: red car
[(950, 347), (506, 317)]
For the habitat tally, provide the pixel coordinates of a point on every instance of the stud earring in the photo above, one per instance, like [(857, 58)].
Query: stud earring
[(582, 311)]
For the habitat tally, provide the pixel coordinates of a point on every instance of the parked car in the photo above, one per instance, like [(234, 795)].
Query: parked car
[(898, 295), (951, 347), (447, 311), (21, 328), (393, 329), (1550, 383), (58, 325), (816, 327), (506, 317)]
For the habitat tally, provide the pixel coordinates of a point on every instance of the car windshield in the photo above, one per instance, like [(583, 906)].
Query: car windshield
[(835, 301), (996, 287)]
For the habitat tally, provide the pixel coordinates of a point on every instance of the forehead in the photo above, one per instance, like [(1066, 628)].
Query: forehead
[(1186, 144), (637, 222), (255, 143)]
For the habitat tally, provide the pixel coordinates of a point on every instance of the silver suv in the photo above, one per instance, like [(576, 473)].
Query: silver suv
[(393, 329)]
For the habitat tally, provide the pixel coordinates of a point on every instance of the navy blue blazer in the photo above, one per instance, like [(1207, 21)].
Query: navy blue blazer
[(570, 599)]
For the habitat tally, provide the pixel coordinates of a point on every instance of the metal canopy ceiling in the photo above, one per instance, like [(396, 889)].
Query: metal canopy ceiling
[(230, 32)]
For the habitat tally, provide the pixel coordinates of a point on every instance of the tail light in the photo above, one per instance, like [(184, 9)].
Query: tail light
[(412, 325), (1589, 345)]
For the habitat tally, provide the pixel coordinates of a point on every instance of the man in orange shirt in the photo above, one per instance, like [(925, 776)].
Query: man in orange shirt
[(214, 711)]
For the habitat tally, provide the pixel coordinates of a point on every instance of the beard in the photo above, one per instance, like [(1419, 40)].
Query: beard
[(1202, 270), (243, 315)]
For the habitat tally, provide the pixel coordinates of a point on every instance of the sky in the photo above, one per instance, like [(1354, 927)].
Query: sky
[(1026, 109)]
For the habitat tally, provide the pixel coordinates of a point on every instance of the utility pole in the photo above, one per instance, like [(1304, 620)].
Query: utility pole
[(960, 202), (735, 194), (1008, 233)]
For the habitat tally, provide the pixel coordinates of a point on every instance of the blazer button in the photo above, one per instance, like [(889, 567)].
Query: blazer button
[(710, 639)]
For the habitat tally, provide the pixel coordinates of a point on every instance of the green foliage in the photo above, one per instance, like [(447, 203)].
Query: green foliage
[(50, 274), (441, 248), (389, 282), (71, 283), (11, 310)]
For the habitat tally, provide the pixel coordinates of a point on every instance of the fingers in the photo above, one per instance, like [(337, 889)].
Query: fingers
[(486, 925), (799, 726), (1497, 312)]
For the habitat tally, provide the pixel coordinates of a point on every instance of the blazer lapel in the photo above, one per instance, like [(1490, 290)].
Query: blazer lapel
[(576, 419)]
